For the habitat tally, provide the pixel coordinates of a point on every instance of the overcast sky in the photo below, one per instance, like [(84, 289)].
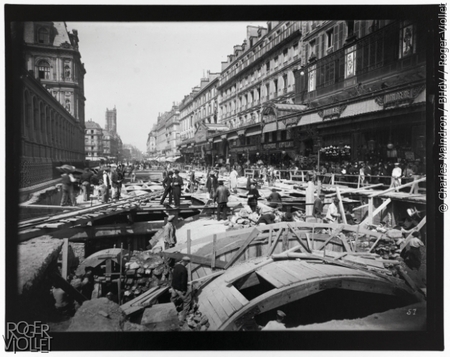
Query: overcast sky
[(142, 68)]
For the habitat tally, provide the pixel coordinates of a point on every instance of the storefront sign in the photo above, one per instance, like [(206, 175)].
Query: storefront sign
[(269, 118), (332, 113), (286, 144), (291, 121), (241, 132), (270, 146), (403, 97)]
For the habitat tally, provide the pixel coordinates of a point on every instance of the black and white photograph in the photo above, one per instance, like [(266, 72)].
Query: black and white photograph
[(225, 177)]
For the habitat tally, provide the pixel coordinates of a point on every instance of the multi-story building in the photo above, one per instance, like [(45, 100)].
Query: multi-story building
[(171, 133), (362, 86), (259, 73), (49, 75), (198, 111), (93, 142)]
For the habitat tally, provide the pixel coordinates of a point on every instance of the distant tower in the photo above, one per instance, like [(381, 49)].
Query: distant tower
[(111, 120)]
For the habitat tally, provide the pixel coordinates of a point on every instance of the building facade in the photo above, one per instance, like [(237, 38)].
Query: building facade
[(93, 141), (151, 143), (50, 85)]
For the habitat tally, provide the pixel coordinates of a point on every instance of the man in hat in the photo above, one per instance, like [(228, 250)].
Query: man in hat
[(169, 234), (333, 211), (85, 180), (68, 189), (279, 324), (108, 182), (275, 199), (167, 184), (177, 184), (192, 179), (318, 206), (396, 176), (181, 292), (253, 195), (212, 184), (221, 196)]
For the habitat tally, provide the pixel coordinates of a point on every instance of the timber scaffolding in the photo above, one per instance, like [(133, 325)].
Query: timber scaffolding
[(292, 260)]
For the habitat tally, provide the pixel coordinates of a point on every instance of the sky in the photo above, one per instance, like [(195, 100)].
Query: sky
[(142, 68)]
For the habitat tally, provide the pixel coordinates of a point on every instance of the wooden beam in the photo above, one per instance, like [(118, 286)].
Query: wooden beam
[(341, 206), (416, 228), (399, 187), (194, 259), (213, 256), (231, 279), (299, 239), (69, 289), (188, 240), (332, 235), (65, 259), (377, 210), (250, 237), (272, 247)]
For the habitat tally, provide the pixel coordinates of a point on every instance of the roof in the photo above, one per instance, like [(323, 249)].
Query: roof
[(92, 125)]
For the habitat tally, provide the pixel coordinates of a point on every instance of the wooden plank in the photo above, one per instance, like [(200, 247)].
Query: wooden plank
[(65, 258), (237, 295), (137, 299), (218, 308), (194, 259), (208, 310), (270, 278), (224, 300), (341, 206), (275, 242), (416, 228), (189, 252), (328, 240), (250, 237), (306, 249), (68, 288), (213, 256), (243, 270), (283, 275), (371, 216)]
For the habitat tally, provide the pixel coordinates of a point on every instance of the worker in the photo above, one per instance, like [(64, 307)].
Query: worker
[(396, 176), (169, 234), (87, 284), (279, 324), (233, 180), (192, 179), (221, 196), (63, 303), (275, 199), (177, 184), (253, 196), (167, 184), (266, 218), (333, 211), (181, 291), (318, 206), (411, 253)]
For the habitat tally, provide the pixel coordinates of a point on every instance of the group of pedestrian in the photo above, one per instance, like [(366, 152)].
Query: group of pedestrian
[(173, 184)]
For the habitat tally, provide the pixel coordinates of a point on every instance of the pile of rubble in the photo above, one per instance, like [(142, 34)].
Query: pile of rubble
[(144, 271)]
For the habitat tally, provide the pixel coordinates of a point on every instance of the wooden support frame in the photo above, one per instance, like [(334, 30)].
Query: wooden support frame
[(299, 239), (274, 244), (194, 259), (189, 252), (341, 206), (370, 217), (253, 234), (213, 255), (399, 187), (65, 258)]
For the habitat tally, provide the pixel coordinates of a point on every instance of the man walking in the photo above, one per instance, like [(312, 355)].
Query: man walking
[(221, 196), (233, 180), (177, 184), (181, 292), (169, 234), (85, 180), (167, 184), (68, 190)]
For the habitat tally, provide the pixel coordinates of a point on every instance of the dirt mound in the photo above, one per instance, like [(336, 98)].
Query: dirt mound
[(98, 315)]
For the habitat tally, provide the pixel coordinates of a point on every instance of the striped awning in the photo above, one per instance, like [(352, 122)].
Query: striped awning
[(232, 136), (273, 127), (217, 140)]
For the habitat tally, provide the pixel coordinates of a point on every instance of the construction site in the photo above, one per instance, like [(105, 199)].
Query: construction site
[(243, 274)]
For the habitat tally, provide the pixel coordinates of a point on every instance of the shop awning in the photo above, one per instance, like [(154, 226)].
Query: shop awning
[(274, 127), (217, 140), (309, 119), (253, 131), (232, 136)]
